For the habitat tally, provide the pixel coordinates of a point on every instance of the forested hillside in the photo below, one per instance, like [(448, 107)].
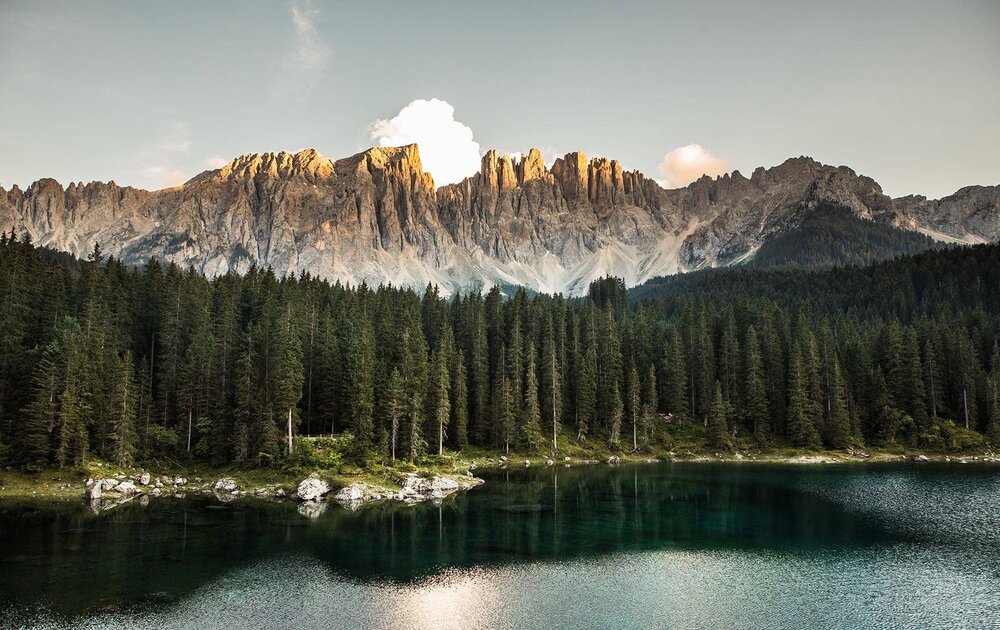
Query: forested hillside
[(834, 235), (104, 359)]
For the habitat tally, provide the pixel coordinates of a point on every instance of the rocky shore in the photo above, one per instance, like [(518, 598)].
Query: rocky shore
[(314, 493)]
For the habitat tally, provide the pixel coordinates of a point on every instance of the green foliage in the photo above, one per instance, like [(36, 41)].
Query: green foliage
[(835, 236), (119, 363)]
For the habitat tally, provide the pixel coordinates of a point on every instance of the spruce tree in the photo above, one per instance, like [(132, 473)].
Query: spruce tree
[(395, 409), (801, 424), (123, 431), (717, 430), (530, 425), (758, 417), (675, 377), (633, 394)]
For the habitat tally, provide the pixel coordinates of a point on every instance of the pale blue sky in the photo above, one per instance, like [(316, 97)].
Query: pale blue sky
[(146, 93)]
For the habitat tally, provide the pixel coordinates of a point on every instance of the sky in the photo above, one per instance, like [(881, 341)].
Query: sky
[(152, 93)]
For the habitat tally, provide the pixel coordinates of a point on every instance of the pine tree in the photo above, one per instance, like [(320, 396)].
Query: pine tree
[(758, 416), (586, 377), (395, 409), (717, 429), (43, 414), (530, 425), (650, 403), (440, 395), (459, 427), (246, 397), (633, 393), (552, 387), (361, 371), (838, 422), (616, 411), (675, 378), (73, 406), (801, 423), (289, 374), (123, 433)]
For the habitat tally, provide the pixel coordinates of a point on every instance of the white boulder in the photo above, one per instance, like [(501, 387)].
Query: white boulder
[(313, 488), (349, 495), (144, 478)]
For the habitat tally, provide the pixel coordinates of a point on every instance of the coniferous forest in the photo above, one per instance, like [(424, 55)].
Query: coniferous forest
[(122, 363)]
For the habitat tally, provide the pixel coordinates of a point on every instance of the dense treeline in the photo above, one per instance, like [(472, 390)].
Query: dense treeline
[(125, 363), (834, 235)]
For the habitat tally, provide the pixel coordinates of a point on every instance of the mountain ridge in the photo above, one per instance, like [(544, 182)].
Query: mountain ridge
[(377, 217)]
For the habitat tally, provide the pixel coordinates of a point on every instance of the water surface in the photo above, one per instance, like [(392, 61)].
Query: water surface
[(675, 545)]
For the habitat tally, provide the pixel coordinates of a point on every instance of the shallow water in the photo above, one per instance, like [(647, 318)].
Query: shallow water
[(658, 545)]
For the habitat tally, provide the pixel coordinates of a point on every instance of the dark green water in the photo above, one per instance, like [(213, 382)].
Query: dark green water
[(697, 545)]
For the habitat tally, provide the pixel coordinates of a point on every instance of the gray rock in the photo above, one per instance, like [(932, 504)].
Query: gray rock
[(226, 485), (92, 489), (108, 484), (614, 460), (127, 489), (313, 488), (349, 495), (419, 488), (921, 458), (144, 478)]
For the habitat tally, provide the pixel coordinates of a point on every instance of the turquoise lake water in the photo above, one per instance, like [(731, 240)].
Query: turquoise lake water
[(635, 546)]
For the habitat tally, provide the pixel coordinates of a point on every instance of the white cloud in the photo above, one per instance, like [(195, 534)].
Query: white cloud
[(447, 150), (215, 161), (685, 164)]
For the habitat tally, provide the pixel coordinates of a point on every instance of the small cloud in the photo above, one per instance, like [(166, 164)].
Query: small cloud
[(163, 160), (214, 162), (685, 164), (447, 149), (164, 176)]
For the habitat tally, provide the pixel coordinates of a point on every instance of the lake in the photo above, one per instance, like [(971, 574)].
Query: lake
[(633, 546)]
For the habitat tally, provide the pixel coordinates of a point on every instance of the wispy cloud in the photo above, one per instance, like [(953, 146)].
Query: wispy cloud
[(310, 54)]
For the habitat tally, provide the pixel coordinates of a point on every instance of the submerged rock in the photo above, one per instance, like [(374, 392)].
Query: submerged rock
[(313, 509), (313, 488)]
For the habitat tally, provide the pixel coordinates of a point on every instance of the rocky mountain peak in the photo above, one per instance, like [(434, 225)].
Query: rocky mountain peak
[(377, 217), (307, 163)]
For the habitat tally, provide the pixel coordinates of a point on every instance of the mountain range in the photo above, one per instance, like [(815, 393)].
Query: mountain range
[(377, 217)]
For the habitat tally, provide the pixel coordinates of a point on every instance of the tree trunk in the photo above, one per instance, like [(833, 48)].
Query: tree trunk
[(289, 430), (965, 402), (189, 430)]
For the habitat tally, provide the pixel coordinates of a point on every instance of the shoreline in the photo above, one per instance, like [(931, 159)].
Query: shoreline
[(387, 483)]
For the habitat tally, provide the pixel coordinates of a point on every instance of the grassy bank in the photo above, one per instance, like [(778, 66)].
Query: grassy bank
[(330, 457)]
